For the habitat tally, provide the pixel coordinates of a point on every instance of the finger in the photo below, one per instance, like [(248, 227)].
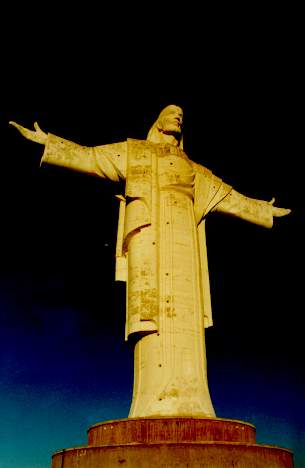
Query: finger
[(20, 128), (272, 201), (31, 135), (279, 212), (14, 124), (37, 128)]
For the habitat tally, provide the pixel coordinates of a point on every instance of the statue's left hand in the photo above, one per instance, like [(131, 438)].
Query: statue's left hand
[(278, 212), (38, 135)]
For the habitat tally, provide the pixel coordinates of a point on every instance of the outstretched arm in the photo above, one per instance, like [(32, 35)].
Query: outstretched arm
[(250, 209), (107, 161)]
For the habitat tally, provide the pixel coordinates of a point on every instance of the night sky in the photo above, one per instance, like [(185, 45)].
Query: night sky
[(64, 362)]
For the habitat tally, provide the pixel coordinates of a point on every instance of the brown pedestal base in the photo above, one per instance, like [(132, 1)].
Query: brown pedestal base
[(173, 443)]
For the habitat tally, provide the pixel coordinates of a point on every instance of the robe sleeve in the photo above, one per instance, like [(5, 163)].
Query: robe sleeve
[(250, 209), (106, 161)]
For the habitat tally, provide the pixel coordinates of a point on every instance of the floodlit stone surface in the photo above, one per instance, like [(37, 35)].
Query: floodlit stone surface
[(161, 254)]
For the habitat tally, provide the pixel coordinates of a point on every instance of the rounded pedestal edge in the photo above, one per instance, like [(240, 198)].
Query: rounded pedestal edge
[(168, 430), (173, 455)]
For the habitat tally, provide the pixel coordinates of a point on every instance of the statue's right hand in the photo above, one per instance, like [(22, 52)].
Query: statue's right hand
[(36, 135)]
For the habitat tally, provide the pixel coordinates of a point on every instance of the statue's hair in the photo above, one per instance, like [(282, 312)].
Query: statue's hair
[(156, 128)]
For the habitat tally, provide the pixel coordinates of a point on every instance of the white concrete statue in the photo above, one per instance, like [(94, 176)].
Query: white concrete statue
[(161, 254)]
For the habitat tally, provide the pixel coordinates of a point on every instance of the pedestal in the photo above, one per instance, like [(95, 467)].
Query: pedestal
[(173, 443)]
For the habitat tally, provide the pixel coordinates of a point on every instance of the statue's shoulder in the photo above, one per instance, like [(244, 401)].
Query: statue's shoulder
[(205, 176), (204, 171)]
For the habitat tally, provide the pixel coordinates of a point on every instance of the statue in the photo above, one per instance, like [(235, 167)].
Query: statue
[(161, 254)]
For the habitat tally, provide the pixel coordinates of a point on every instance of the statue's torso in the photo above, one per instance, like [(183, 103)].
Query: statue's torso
[(170, 363)]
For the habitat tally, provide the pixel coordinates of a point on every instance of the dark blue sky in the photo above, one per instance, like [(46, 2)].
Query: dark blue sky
[(64, 362)]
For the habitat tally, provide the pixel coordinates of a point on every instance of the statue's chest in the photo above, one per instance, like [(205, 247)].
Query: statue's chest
[(174, 171)]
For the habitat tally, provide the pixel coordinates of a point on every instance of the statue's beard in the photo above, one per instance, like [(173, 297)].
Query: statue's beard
[(174, 131)]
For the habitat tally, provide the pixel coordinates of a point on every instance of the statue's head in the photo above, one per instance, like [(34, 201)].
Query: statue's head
[(169, 122)]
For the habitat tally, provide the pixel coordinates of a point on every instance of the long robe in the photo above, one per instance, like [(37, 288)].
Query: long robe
[(161, 254)]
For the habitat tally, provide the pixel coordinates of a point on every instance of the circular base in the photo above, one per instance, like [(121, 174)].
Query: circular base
[(170, 429), (173, 443), (208, 454)]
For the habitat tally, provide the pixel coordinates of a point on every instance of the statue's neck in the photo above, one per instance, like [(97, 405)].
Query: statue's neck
[(169, 139)]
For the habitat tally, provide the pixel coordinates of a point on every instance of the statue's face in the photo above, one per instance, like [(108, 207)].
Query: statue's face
[(171, 119)]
